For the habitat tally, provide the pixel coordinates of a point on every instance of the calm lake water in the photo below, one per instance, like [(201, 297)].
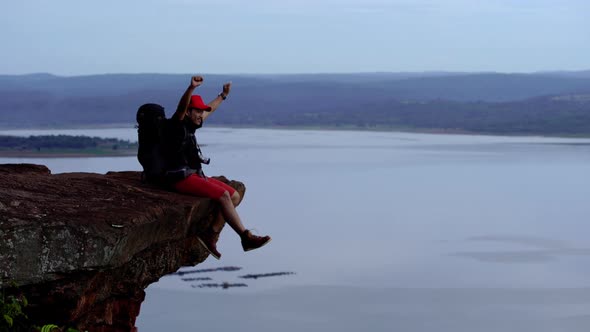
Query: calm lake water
[(386, 231)]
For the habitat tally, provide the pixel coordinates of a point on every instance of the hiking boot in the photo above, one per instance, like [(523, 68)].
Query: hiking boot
[(209, 241), (251, 241)]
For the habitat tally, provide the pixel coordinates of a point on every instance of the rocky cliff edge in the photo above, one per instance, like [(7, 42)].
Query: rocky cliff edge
[(84, 246)]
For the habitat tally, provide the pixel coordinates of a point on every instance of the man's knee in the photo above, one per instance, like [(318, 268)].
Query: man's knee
[(225, 197), (235, 198)]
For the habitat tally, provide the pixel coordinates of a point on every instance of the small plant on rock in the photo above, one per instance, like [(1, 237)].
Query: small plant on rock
[(12, 317)]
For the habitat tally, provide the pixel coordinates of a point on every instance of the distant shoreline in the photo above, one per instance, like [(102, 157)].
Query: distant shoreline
[(404, 130), (434, 131), (61, 154), (61, 146), (74, 127)]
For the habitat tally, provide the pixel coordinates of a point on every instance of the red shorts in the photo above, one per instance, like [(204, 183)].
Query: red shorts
[(198, 186)]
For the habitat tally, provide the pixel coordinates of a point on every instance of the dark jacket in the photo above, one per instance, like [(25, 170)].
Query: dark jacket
[(181, 149)]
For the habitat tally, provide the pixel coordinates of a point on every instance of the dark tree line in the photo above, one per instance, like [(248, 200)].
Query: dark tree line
[(62, 142)]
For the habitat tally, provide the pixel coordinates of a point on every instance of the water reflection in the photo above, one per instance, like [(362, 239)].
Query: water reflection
[(549, 250)]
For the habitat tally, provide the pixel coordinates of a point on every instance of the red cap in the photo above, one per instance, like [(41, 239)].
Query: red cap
[(197, 102)]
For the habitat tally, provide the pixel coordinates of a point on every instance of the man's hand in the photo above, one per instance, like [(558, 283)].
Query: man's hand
[(226, 88), (196, 81)]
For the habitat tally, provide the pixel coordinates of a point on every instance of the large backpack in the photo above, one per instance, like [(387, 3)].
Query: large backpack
[(150, 130)]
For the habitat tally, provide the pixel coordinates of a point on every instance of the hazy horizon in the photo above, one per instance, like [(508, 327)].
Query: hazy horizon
[(427, 72)]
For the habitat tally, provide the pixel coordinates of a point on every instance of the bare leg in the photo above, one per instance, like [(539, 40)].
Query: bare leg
[(219, 222), (210, 237), (228, 213), (236, 198), (249, 240)]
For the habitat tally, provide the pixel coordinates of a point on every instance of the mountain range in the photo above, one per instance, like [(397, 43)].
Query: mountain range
[(551, 103)]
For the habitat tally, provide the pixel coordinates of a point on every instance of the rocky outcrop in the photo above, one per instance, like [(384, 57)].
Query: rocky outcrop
[(84, 246)]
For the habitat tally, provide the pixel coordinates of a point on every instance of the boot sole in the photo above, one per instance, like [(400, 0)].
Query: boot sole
[(209, 251), (265, 243)]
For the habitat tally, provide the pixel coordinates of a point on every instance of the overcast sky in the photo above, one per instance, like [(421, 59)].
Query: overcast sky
[(72, 37)]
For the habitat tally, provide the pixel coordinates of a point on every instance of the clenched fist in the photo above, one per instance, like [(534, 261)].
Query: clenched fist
[(196, 81)]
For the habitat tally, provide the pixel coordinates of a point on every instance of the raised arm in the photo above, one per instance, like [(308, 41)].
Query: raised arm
[(196, 81), (214, 104)]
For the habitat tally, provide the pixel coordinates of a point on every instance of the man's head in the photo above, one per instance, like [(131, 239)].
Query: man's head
[(195, 110)]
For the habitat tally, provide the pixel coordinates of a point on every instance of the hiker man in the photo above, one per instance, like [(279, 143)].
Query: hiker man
[(182, 152)]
